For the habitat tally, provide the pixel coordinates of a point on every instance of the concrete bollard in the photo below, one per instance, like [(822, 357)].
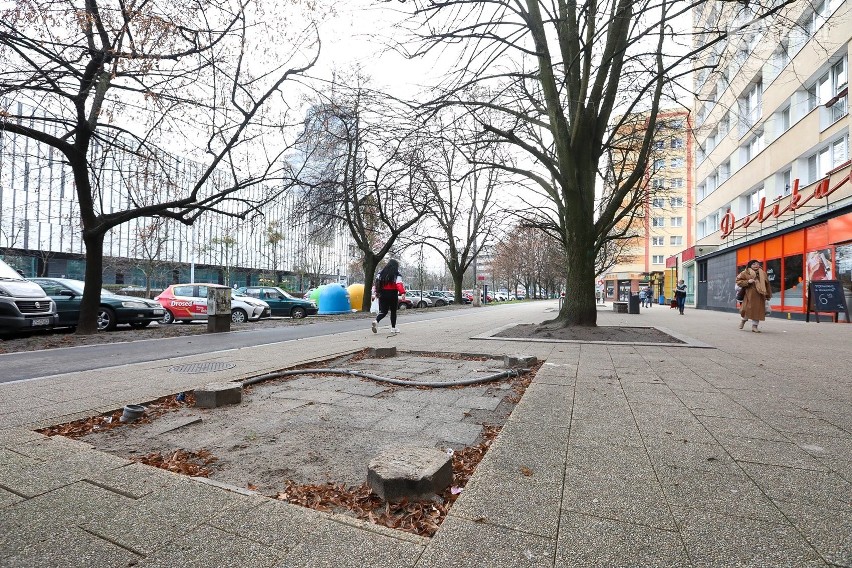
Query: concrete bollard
[(383, 352), (409, 472), (518, 361), (215, 395)]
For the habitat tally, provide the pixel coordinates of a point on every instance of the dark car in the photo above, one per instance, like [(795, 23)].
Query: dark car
[(114, 309), (441, 298), (280, 302)]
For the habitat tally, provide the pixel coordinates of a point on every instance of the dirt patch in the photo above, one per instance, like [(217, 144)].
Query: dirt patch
[(307, 438), (579, 333)]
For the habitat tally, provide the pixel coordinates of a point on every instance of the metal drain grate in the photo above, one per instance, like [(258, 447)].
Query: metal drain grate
[(210, 367)]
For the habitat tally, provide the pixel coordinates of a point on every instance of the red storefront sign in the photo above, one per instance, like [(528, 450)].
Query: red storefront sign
[(822, 190)]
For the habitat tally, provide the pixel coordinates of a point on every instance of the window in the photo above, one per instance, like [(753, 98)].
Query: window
[(676, 124), (658, 222), (660, 144), (839, 84), (677, 221), (754, 147), (676, 162), (786, 182), (677, 142), (751, 106), (676, 240), (784, 120), (724, 171), (658, 259), (828, 158), (701, 229), (676, 201), (659, 164), (676, 183), (657, 183), (658, 241), (754, 199), (658, 202), (701, 191)]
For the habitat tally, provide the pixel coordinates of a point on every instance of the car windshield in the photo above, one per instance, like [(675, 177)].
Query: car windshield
[(77, 286), (8, 272)]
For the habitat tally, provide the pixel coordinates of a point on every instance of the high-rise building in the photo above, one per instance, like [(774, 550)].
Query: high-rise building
[(662, 225), (772, 152)]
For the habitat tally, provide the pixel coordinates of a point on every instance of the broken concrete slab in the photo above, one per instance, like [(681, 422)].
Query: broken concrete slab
[(409, 472), (215, 395), (519, 361)]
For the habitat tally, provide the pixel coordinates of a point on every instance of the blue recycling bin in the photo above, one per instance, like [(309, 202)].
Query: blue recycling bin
[(333, 299)]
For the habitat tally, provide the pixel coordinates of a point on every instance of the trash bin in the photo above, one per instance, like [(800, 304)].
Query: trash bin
[(633, 304)]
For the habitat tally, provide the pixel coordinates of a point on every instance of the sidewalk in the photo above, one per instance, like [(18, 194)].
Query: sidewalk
[(640, 456)]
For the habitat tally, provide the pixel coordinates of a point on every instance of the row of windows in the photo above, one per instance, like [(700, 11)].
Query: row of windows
[(661, 202), (673, 163), (661, 221), (676, 143), (674, 183), (674, 240)]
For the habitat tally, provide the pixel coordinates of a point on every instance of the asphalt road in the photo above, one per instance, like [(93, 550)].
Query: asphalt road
[(36, 364)]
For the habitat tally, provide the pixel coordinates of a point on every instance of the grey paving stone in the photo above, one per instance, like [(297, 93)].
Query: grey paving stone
[(593, 541), (51, 448), (728, 428), (772, 452), (673, 455), (545, 404), (462, 543), (519, 494), (458, 432), (805, 486), (137, 480), (28, 477), (478, 402), (67, 547), (724, 493), (7, 498), (163, 516), (14, 436), (404, 423), (829, 531), (631, 498), (437, 412), (717, 540), (590, 432), (194, 549)]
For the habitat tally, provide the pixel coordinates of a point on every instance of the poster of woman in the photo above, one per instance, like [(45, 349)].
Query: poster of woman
[(819, 265)]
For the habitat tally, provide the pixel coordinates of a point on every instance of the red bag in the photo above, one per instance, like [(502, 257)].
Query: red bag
[(674, 304)]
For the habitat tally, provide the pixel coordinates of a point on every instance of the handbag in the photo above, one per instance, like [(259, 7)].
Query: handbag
[(740, 293), (768, 308)]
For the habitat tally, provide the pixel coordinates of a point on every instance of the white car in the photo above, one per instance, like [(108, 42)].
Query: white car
[(501, 296), (188, 302)]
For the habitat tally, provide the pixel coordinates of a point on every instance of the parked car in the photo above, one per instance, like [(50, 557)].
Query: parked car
[(441, 297), (113, 310), (188, 302), (405, 303), (280, 302), (501, 296), (419, 299), (23, 305)]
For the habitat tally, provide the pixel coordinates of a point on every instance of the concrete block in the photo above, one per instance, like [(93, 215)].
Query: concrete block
[(518, 361), (383, 352), (218, 394), (409, 472)]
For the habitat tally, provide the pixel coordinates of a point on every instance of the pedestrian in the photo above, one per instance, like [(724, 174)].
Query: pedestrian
[(387, 288), (757, 292), (642, 297), (598, 296), (680, 295), (649, 295)]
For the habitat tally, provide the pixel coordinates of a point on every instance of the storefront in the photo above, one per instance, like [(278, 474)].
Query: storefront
[(681, 267), (820, 249)]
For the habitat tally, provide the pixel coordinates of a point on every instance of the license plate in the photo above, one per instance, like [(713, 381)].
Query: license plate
[(40, 321), (159, 312)]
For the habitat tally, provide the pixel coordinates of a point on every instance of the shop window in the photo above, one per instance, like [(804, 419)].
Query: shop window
[(843, 265), (793, 281), (819, 265), (773, 273)]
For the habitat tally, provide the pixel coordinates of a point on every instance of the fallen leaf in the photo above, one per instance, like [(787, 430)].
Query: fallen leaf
[(526, 471)]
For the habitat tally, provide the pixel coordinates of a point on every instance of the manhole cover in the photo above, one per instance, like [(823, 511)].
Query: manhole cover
[(210, 367)]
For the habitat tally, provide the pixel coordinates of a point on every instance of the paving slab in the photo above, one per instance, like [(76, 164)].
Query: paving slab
[(194, 550)]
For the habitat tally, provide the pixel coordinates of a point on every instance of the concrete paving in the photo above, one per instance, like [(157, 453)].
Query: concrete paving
[(617, 455)]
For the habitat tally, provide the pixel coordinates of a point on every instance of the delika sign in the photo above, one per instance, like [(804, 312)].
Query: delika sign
[(797, 200)]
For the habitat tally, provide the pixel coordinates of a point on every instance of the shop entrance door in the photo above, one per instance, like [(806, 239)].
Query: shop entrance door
[(623, 290)]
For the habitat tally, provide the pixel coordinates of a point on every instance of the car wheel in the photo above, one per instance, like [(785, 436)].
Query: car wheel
[(106, 319), (139, 324), (440, 303), (298, 313), (168, 318), (239, 315), (422, 304), (403, 307)]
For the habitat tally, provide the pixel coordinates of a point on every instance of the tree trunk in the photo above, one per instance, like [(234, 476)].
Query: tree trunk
[(458, 277), (88, 323), (370, 264), (579, 306)]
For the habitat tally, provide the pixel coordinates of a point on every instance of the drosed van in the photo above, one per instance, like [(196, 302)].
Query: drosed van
[(23, 304)]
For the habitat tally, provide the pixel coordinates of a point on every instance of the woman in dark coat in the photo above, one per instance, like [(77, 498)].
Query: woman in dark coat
[(757, 291)]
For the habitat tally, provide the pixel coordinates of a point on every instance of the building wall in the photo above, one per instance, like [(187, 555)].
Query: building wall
[(39, 216)]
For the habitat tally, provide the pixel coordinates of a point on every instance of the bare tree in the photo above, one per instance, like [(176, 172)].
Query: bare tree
[(368, 171), (110, 85), (556, 74), (150, 248), (462, 198)]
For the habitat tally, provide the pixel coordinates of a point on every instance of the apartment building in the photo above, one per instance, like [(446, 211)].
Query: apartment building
[(663, 225), (772, 154)]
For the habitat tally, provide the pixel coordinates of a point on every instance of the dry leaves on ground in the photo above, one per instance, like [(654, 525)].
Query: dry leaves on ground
[(185, 462), (418, 517)]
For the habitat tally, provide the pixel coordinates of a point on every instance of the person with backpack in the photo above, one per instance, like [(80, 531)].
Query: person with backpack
[(387, 287)]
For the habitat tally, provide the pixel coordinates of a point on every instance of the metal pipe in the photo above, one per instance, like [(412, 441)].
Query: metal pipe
[(350, 372)]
